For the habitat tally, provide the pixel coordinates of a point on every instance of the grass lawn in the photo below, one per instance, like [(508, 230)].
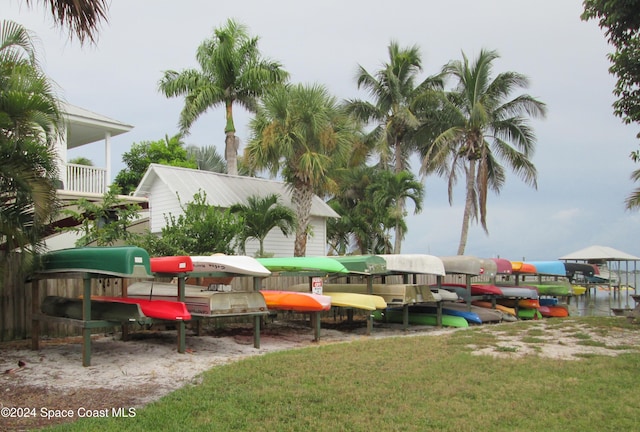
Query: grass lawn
[(414, 383)]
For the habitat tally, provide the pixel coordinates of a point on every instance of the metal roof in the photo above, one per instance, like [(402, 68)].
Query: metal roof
[(86, 126), (222, 190)]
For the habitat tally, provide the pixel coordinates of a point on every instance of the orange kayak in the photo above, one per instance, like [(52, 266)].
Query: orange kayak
[(501, 308), (553, 311), (523, 303), (296, 301)]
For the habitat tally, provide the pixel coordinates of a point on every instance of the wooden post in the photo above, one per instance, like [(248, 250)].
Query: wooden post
[(35, 310), (86, 316), (182, 329), (256, 318)]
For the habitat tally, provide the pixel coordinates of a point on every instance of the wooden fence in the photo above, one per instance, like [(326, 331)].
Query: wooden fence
[(16, 293)]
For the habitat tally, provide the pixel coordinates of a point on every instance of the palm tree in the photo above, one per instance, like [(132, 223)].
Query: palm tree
[(396, 91), (207, 158), (82, 17), (29, 126), (260, 216), (482, 125), (231, 71), (300, 132), (389, 189)]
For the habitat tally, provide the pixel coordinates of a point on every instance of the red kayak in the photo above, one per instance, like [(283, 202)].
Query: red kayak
[(476, 289), (171, 264), (158, 309)]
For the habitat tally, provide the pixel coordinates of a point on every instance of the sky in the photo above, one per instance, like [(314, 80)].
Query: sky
[(581, 152)]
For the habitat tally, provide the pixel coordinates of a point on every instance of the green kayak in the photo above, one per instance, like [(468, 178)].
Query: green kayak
[(419, 318)]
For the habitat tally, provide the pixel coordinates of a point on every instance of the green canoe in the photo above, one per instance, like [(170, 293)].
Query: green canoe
[(65, 307), (306, 265), (123, 261)]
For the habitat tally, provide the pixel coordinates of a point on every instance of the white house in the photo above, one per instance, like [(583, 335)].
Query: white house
[(167, 187), (85, 127)]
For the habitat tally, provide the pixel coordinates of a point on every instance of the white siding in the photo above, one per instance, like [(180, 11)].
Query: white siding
[(162, 202)]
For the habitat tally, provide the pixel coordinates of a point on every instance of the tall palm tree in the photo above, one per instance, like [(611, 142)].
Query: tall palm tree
[(29, 126), (232, 71), (482, 126), (396, 90), (300, 133), (82, 17), (260, 216)]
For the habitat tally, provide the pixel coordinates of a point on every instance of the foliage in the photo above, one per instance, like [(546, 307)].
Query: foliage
[(169, 151), (81, 160), (481, 125), (201, 229), (394, 111), (301, 133), (29, 126), (368, 207), (259, 216), (207, 158), (621, 21), (82, 17), (231, 71), (104, 222)]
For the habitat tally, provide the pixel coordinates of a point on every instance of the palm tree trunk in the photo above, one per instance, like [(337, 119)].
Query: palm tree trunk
[(301, 198), (231, 153), (399, 167), (468, 207)]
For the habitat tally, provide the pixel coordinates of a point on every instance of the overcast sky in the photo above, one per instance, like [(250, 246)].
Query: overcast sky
[(582, 149)]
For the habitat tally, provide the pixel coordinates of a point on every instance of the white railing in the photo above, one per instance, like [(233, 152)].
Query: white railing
[(82, 178)]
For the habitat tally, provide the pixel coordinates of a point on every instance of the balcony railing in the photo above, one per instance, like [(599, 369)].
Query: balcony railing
[(82, 178)]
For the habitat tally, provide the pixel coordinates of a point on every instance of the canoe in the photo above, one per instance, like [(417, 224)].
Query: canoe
[(393, 294), (552, 288), (296, 301), (548, 301), (121, 261), (488, 267), (504, 266), (228, 265), (486, 315), (444, 294), (308, 265), (171, 264), (522, 267), (411, 264), (203, 302), (504, 309), (520, 303), (476, 289), (582, 269), (471, 317), (363, 264), (549, 268), (553, 311), (394, 315), (524, 313), (460, 264), (65, 307), (158, 309), (356, 301), (518, 291)]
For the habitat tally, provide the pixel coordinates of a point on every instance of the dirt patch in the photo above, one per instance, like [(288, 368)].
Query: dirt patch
[(128, 375)]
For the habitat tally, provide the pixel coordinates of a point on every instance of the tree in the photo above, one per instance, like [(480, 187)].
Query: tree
[(301, 133), (232, 71), (389, 190), (621, 21), (482, 126), (81, 160), (106, 222), (395, 90), (29, 126), (82, 17), (169, 151), (262, 214), (207, 158), (201, 229)]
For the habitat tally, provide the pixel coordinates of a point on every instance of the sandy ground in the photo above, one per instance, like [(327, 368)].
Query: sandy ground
[(133, 373)]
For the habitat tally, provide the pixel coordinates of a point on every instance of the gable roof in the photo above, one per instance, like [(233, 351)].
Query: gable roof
[(222, 190), (604, 253)]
